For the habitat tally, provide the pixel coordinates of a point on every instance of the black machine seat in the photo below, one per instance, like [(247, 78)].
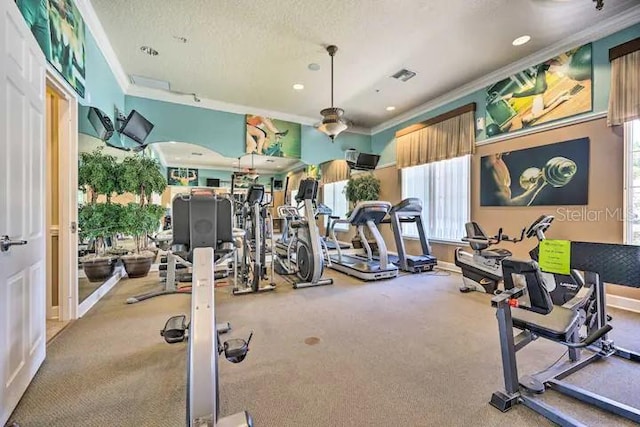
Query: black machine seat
[(537, 315), (497, 253), (556, 326), (368, 211), (207, 212), (476, 234)]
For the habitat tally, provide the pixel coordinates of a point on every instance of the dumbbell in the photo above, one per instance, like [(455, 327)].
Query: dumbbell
[(557, 172)]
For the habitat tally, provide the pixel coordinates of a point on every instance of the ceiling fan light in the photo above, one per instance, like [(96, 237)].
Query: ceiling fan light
[(332, 122)]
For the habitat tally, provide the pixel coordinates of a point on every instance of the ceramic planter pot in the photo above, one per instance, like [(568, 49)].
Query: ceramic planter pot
[(137, 265), (98, 269)]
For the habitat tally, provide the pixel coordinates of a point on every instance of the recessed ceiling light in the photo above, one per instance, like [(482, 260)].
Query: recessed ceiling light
[(391, 108), (314, 67), (521, 40), (149, 50), (298, 86)]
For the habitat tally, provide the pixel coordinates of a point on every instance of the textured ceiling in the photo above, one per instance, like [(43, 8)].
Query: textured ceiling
[(251, 52)]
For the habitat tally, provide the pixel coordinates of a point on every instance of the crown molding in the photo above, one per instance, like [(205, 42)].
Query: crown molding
[(210, 104), (95, 26), (605, 28)]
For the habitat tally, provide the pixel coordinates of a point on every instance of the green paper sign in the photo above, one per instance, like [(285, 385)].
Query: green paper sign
[(555, 256)]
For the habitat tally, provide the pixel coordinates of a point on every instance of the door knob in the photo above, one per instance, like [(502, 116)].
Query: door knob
[(6, 243)]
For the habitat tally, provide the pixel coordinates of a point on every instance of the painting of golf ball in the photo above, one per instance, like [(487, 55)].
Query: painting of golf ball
[(555, 89), (554, 174)]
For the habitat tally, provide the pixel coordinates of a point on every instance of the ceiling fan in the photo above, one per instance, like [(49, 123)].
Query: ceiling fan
[(249, 172), (333, 120)]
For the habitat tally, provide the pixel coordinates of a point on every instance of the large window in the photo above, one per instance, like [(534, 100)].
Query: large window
[(443, 188), (334, 197), (632, 156)]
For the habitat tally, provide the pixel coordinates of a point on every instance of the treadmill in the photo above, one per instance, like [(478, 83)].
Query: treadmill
[(322, 209), (409, 211), (368, 214)]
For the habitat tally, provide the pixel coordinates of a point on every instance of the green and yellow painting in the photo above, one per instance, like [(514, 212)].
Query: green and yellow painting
[(555, 89), (59, 29), (272, 137)]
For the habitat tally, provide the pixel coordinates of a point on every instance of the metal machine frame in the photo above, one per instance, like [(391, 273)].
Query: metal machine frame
[(202, 400), (204, 345), (370, 214), (613, 263), (410, 211), (305, 241), (254, 256)]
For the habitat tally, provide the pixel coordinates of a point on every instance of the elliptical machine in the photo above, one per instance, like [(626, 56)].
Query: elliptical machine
[(301, 250), (251, 271)]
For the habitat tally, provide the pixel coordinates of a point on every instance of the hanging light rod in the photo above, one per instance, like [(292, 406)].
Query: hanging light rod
[(332, 118)]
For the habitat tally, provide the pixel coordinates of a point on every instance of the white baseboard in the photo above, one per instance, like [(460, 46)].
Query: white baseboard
[(92, 299), (449, 266), (623, 303)]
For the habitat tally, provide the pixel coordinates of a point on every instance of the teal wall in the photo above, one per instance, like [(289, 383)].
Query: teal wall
[(318, 148), (102, 90), (383, 142), (225, 132)]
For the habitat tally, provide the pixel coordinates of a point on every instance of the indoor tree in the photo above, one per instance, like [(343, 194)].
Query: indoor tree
[(98, 173), (362, 187), (141, 176)]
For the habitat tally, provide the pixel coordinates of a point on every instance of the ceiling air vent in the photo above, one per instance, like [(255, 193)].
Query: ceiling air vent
[(150, 82), (404, 75)]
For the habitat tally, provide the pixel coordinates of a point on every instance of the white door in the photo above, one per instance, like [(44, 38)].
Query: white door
[(22, 268)]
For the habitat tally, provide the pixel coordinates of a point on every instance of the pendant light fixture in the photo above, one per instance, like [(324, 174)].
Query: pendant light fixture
[(332, 121), (253, 174)]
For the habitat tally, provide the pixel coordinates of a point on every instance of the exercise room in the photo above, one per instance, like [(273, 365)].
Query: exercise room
[(320, 213)]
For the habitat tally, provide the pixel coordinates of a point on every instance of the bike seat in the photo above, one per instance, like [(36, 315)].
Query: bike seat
[(556, 326), (495, 253)]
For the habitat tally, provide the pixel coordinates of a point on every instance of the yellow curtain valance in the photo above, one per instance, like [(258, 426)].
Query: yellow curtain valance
[(444, 137), (334, 171), (624, 98)]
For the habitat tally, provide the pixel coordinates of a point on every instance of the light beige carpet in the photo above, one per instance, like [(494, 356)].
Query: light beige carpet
[(408, 352)]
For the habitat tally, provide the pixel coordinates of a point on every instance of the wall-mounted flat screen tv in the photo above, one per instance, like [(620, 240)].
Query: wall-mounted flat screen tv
[(136, 127)]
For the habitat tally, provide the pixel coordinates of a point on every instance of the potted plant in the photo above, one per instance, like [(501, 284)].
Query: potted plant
[(139, 221), (361, 188), (97, 221), (97, 174), (141, 176)]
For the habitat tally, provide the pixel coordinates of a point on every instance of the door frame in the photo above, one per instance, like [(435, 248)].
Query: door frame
[(68, 193)]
